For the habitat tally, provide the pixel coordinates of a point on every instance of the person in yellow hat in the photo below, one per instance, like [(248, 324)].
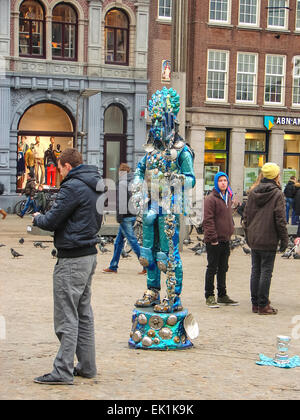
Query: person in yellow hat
[(265, 226)]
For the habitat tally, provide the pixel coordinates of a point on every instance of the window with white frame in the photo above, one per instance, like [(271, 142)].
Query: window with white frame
[(278, 14), (274, 79), (165, 9), (219, 11), (246, 77), (296, 81), (248, 14), (217, 75), (298, 16)]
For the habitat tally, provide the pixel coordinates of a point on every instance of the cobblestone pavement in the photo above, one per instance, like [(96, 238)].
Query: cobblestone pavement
[(220, 365)]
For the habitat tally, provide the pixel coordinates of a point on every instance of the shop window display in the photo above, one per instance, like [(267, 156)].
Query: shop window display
[(31, 29), (215, 157), (255, 157), (41, 158), (45, 130), (291, 160)]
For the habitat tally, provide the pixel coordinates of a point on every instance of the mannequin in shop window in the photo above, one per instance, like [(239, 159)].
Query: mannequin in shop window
[(57, 153), (30, 159), (50, 163), (21, 165), (39, 152)]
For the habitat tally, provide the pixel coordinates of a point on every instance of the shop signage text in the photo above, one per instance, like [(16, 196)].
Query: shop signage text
[(269, 122)]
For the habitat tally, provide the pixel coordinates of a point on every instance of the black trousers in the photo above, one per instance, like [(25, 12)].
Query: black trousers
[(217, 258), (261, 274)]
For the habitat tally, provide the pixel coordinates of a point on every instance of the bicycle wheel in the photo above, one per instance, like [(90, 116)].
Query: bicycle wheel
[(19, 207)]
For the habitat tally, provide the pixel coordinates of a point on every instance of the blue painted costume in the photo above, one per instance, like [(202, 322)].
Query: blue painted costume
[(166, 172)]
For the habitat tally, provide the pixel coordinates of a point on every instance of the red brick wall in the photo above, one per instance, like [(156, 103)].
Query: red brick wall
[(203, 36), (159, 48)]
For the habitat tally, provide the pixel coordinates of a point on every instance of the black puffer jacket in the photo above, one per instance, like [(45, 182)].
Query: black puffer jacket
[(76, 215)]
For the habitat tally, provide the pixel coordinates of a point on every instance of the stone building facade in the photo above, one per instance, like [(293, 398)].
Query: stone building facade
[(75, 71)]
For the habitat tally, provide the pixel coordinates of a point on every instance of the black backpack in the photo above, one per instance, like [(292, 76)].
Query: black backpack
[(1, 188)]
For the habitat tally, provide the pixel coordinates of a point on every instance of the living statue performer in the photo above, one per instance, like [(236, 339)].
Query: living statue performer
[(167, 172)]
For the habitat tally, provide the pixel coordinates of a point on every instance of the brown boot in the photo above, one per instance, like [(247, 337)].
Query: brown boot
[(267, 310), (255, 309), (4, 214)]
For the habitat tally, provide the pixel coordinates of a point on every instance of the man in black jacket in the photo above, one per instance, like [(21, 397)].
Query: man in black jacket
[(75, 218)]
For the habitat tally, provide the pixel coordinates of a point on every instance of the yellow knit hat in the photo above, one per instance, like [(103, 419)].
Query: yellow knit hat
[(270, 170)]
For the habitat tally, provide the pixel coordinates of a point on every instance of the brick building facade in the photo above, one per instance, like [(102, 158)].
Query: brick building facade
[(242, 74)]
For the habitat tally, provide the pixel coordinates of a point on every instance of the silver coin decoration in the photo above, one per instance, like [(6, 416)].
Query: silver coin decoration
[(156, 322)]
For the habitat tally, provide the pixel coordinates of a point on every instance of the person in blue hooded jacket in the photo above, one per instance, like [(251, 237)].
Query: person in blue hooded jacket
[(218, 228)]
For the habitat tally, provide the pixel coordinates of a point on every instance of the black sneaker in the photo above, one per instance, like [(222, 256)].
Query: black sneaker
[(48, 379)]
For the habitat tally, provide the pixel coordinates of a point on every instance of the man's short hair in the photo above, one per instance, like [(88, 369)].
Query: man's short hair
[(71, 156), (124, 168)]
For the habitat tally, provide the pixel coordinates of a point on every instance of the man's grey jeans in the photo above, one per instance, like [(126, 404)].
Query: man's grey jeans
[(73, 316)]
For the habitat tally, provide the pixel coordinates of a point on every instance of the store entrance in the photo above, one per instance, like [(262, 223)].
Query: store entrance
[(44, 131)]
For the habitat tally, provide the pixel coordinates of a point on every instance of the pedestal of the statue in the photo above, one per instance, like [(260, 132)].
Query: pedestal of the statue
[(159, 331)]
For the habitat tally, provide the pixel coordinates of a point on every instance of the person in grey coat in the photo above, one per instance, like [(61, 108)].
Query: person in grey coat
[(75, 218)]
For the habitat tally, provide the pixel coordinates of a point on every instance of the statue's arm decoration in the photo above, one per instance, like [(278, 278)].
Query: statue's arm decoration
[(187, 168), (138, 197)]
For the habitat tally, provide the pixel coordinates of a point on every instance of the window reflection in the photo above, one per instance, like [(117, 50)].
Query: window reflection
[(31, 29), (116, 37), (64, 32)]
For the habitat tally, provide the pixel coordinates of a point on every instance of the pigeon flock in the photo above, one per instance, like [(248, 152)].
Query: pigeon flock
[(238, 241), (198, 249)]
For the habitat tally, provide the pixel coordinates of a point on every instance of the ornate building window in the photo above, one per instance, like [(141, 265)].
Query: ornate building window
[(165, 9), (32, 29), (116, 37), (64, 32)]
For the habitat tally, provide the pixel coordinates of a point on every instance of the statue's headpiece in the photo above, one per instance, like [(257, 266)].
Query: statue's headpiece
[(163, 109)]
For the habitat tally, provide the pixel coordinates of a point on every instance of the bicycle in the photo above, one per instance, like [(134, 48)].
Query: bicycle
[(50, 198)]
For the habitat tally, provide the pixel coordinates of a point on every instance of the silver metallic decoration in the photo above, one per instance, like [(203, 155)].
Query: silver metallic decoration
[(172, 320), (156, 322), (191, 326), (142, 319), (137, 336), (165, 333), (147, 341)]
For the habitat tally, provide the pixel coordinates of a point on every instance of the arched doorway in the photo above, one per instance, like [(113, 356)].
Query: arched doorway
[(44, 125), (114, 140)]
